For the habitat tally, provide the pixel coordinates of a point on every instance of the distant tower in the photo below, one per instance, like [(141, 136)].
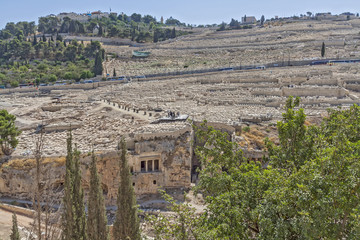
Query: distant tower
[(162, 20)]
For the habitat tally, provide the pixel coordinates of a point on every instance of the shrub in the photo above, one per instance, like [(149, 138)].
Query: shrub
[(246, 129), (68, 75), (14, 83), (42, 67), (52, 78)]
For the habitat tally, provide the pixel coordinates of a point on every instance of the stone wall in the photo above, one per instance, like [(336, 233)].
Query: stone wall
[(84, 86), (327, 92), (158, 161)]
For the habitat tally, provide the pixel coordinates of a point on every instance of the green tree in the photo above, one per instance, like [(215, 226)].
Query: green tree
[(173, 33), (2, 77), (234, 23), (14, 83), (184, 224), (35, 40), (52, 78), (156, 35), (323, 49), (68, 75), (98, 68), (114, 73), (73, 218), (96, 206), (126, 225), (319, 199), (85, 74), (14, 230), (222, 26), (308, 187), (262, 20), (70, 53), (8, 132), (136, 17), (296, 146)]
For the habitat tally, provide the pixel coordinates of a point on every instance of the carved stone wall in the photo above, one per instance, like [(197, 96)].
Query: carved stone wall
[(162, 161)]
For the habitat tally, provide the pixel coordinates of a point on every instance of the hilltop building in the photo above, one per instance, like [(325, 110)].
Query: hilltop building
[(248, 20)]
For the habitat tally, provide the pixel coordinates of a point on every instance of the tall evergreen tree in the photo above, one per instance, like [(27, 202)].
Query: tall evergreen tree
[(323, 49), (98, 68), (15, 230), (78, 200), (100, 32), (35, 40), (96, 207), (262, 20), (156, 35), (173, 33), (126, 225), (114, 73), (73, 219), (59, 37)]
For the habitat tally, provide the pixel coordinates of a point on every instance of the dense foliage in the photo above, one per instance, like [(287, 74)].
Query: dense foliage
[(135, 27), (38, 54), (8, 132), (45, 60), (307, 188)]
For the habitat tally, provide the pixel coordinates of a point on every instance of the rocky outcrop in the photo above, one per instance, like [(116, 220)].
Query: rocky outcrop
[(162, 161)]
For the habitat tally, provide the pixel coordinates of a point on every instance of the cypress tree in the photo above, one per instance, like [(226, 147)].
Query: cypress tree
[(114, 73), (173, 33), (102, 53), (73, 219), (96, 207), (262, 20), (323, 49), (58, 37), (98, 68), (80, 217), (100, 32), (67, 218), (156, 35), (126, 225), (35, 40), (14, 230)]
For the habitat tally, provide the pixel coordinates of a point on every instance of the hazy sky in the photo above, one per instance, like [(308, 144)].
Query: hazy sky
[(189, 11)]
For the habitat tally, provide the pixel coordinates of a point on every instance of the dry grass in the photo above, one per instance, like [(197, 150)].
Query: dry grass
[(20, 164), (27, 164), (58, 161), (254, 137)]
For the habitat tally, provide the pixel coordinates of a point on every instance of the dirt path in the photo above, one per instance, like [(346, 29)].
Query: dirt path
[(6, 224)]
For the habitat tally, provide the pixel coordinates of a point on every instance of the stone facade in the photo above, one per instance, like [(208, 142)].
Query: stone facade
[(157, 160)]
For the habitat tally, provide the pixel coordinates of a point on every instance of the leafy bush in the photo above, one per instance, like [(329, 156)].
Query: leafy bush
[(14, 83), (246, 129)]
